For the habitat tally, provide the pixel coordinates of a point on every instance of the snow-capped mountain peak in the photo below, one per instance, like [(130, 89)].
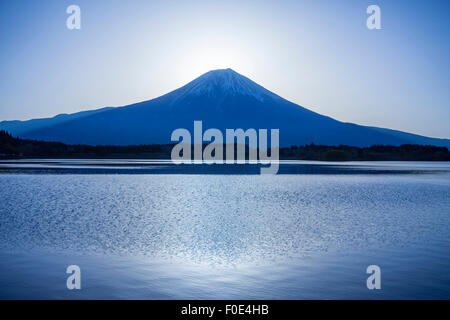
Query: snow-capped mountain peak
[(222, 83), (222, 99)]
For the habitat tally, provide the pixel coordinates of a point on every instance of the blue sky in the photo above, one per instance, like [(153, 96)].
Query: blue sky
[(318, 54)]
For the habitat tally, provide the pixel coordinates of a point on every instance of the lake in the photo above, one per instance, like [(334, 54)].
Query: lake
[(147, 229)]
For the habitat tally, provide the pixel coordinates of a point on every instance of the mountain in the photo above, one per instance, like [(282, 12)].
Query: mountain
[(22, 127), (221, 99)]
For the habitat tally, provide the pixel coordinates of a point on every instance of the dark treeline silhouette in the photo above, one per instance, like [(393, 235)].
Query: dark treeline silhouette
[(11, 147), (406, 152), (16, 147)]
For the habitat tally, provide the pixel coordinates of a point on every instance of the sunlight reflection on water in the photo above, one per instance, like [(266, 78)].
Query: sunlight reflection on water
[(245, 235)]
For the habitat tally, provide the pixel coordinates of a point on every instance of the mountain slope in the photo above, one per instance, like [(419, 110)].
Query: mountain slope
[(221, 99), (21, 127)]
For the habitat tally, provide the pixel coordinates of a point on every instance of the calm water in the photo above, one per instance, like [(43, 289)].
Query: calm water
[(150, 230)]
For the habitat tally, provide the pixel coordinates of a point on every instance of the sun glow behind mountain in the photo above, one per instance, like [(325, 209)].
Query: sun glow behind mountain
[(315, 53), (203, 57)]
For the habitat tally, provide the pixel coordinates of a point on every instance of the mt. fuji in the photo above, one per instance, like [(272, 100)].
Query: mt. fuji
[(222, 99)]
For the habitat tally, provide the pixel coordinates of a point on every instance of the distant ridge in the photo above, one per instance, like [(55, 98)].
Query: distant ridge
[(221, 99)]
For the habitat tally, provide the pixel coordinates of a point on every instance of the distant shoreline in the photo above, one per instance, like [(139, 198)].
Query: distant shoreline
[(17, 148)]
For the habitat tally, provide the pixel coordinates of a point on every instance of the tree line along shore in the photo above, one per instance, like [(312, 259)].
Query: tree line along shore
[(16, 148)]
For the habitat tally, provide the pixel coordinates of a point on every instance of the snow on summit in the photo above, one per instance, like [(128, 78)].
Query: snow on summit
[(221, 83)]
